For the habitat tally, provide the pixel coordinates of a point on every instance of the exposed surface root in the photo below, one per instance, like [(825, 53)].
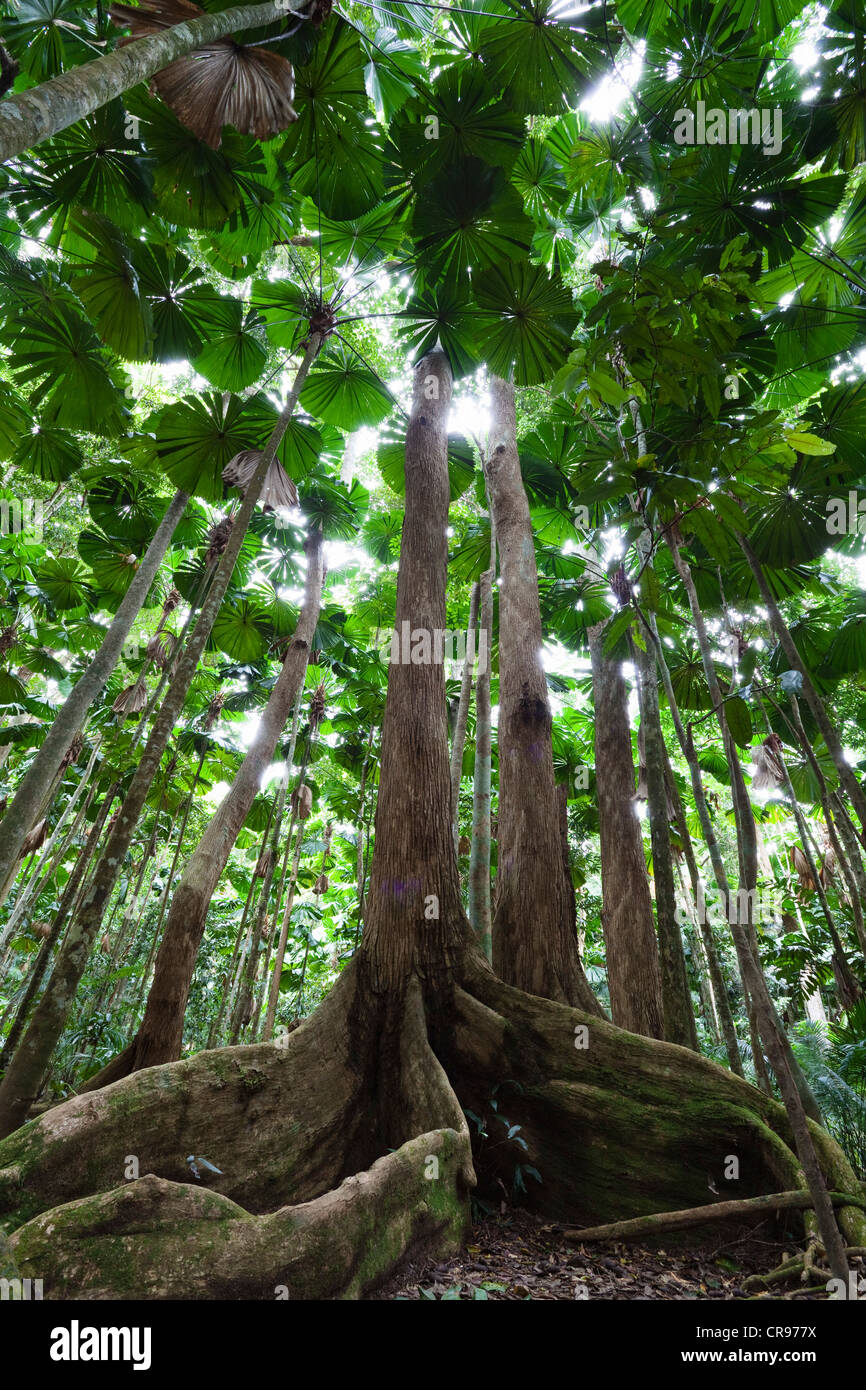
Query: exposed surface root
[(282, 1123), (277, 1121), (620, 1125), (154, 1239), (343, 1148)]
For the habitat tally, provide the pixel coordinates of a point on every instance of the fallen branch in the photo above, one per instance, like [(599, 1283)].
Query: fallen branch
[(664, 1221), (804, 1265)]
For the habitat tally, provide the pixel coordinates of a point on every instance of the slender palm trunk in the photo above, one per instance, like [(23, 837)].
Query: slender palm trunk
[(459, 740), (296, 829), (686, 743), (161, 1031), (480, 910), (743, 931), (67, 902), (243, 1007), (30, 894), (67, 723), (850, 989), (829, 732), (28, 1066), (678, 1017)]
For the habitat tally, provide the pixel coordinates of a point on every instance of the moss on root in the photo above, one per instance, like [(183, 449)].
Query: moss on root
[(310, 1202), (159, 1240)]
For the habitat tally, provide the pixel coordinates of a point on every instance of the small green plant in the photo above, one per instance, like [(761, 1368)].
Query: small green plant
[(484, 1149), (456, 1292)]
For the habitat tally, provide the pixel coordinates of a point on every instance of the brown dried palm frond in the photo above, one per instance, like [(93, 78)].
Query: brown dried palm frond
[(222, 83), (159, 650), (800, 865), (263, 863), (278, 489), (302, 802), (170, 602), (218, 539), (34, 840), (321, 884), (767, 758), (829, 865), (73, 752), (317, 704), (214, 710), (642, 790), (8, 636), (131, 700)]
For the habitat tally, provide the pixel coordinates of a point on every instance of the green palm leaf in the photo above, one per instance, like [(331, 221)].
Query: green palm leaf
[(49, 453), (330, 152), (234, 356), (529, 318), (107, 285), (340, 390)]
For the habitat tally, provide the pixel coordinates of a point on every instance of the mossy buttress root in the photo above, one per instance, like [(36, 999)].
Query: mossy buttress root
[(154, 1239), (617, 1126)]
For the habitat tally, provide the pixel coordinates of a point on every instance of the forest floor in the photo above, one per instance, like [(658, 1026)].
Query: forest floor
[(515, 1256)]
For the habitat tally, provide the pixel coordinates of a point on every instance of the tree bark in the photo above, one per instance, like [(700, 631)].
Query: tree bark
[(35, 783), (480, 911), (534, 944), (633, 974), (415, 919), (161, 1033), (743, 931), (678, 1017)]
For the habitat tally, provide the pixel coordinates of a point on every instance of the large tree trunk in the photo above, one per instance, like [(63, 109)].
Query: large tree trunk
[(32, 116), (36, 782), (415, 917), (25, 1073), (633, 975), (534, 942)]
